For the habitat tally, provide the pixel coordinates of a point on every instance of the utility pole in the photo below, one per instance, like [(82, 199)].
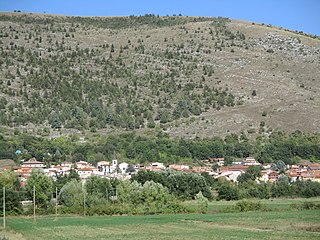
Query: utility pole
[(56, 201), (34, 205), (84, 203), (4, 207)]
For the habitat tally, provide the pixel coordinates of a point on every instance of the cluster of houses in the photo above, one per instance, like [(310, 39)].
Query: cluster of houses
[(294, 172), (123, 170)]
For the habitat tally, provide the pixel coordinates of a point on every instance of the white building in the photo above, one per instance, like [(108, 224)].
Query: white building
[(33, 163), (83, 164), (123, 167), (104, 167), (84, 173), (158, 165), (250, 161)]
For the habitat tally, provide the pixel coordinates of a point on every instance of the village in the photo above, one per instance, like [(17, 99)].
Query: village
[(123, 170)]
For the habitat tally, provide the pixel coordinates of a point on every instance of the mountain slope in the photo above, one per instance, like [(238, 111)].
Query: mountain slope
[(194, 76)]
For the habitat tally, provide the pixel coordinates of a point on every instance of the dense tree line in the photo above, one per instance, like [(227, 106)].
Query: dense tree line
[(183, 185), (281, 188), (97, 196), (156, 146), (146, 193)]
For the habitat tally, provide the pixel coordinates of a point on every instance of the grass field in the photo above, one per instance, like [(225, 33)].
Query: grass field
[(278, 224), (272, 204)]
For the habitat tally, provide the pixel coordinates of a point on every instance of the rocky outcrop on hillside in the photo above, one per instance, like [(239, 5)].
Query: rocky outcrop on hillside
[(292, 46)]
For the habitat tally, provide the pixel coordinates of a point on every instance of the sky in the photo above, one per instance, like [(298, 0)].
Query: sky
[(301, 15)]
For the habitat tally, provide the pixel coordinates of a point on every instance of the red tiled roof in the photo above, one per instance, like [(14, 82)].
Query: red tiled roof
[(315, 166), (86, 169)]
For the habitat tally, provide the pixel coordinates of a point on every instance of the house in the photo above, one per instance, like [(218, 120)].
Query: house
[(82, 164), (33, 163), (239, 168), (178, 167), (295, 171), (314, 166), (66, 164), (307, 175), (214, 161), (236, 163), (123, 167), (22, 172), (316, 175), (266, 166), (84, 173), (154, 167), (312, 175), (104, 166), (265, 175), (273, 176), (250, 161), (151, 168), (204, 169), (229, 175), (51, 172), (108, 168), (158, 165)]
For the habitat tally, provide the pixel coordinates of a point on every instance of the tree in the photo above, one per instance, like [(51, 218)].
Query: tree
[(10, 180), (164, 115), (202, 202), (151, 123), (155, 197), (112, 48), (100, 187), (55, 121), (57, 156), (281, 166), (131, 169), (182, 185), (63, 179), (254, 93), (281, 188), (72, 194), (252, 173), (228, 192), (43, 186)]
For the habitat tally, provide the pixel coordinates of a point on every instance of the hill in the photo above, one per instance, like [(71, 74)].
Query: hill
[(193, 76)]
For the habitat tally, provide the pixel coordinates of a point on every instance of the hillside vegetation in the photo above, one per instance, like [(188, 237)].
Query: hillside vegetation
[(193, 76)]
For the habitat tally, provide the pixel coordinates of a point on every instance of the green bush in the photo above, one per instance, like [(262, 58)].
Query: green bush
[(246, 206), (306, 206)]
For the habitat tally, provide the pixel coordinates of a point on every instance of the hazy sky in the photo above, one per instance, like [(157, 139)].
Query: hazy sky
[(301, 15)]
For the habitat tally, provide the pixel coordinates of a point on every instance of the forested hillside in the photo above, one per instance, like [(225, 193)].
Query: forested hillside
[(194, 76)]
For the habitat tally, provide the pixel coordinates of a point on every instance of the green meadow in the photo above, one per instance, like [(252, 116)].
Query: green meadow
[(280, 222)]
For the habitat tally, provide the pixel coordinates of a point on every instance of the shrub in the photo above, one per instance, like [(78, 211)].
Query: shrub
[(246, 206), (305, 206), (202, 202), (228, 192)]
